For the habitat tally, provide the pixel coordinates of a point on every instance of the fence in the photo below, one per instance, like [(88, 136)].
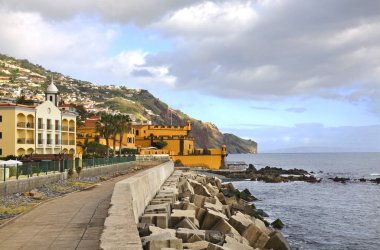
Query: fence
[(31, 169)]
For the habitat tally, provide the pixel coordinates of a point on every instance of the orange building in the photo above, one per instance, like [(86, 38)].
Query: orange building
[(88, 132), (179, 145)]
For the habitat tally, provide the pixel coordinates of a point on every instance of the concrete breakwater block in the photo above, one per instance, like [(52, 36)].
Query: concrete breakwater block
[(193, 211)]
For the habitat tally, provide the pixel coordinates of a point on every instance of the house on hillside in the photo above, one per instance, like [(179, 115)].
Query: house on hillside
[(42, 129)]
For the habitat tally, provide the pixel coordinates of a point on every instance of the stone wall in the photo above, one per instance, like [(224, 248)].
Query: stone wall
[(129, 199)]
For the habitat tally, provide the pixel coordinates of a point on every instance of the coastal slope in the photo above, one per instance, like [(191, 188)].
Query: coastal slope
[(21, 79)]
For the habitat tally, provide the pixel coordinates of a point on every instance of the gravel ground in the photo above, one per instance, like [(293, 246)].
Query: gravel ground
[(15, 204)]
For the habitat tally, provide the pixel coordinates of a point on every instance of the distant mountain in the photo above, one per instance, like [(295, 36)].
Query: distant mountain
[(237, 145), (319, 150), (21, 76)]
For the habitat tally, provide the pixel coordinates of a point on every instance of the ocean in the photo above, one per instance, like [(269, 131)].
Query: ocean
[(326, 215)]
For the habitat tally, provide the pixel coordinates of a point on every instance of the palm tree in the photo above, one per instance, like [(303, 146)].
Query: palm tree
[(105, 129), (122, 127), (115, 120)]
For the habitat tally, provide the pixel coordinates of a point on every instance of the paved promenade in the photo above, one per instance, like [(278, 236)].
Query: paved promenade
[(71, 222)]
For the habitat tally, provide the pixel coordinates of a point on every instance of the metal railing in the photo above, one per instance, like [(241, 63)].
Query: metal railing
[(65, 128), (41, 126), (71, 129), (30, 169), (29, 141), (21, 140), (49, 127), (21, 124)]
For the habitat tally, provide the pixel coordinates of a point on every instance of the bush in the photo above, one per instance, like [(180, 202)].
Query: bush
[(78, 169), (70, 172), (178, 163), (159, 144), (12, 171), (128, 151)]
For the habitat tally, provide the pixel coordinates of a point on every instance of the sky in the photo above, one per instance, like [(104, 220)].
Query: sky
[(289, 74)]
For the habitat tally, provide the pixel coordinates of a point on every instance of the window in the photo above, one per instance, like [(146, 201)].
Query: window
[(1, 151), (1, 118), (51, 98), (137, 132), (1, 135)]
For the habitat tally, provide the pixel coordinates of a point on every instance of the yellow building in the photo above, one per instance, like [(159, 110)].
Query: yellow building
[(180, 146), (87, 132), (42, 129)]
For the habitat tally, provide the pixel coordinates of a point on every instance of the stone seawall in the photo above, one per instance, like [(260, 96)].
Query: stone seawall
[(129, 199), (27, 184), (193, 211)]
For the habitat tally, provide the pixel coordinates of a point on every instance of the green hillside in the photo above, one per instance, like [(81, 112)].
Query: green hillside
[(32, 80)]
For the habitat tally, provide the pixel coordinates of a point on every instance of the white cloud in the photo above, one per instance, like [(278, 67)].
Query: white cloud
[(208, 19), (130, 66)]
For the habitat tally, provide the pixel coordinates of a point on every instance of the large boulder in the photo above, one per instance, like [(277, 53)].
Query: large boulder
[(277, 242), (199, 188), (232, 243), (211, 218)]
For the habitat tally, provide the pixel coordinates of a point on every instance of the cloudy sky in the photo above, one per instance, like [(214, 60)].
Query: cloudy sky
[(286, 73)]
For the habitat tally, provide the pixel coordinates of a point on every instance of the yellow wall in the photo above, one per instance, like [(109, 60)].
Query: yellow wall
[(147, 130), (8, 129), (206, 161), (89, 133), (18, 130)]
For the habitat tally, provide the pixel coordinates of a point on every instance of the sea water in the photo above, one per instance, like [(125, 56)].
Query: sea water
[(326, 215)]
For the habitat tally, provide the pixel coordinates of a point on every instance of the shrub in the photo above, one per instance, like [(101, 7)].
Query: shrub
[(178, 163), (12, 171), (125, 151), (70, 172), (160, 144), (78, 169)]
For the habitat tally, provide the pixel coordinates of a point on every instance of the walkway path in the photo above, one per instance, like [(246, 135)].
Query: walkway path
[(71, 222)]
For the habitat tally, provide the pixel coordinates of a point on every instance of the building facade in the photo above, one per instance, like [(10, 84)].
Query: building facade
[(88, 133), (42, 129)]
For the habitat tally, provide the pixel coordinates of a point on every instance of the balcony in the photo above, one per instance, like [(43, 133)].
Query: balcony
[(72, 129), (49, 127), (29, 125), (65, 142), (57, 142), (30, 141), (72, 142), (40, 142), (65, 128), (41, 126), (57, 128), (21, 125), (21, 140)]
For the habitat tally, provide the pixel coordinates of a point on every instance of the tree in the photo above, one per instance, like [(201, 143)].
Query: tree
[(96, 148), (21, 99), (82, 114), (105, 129), (123, 125)]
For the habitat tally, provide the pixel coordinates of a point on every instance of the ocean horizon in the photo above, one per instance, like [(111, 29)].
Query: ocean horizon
[(326, 215)]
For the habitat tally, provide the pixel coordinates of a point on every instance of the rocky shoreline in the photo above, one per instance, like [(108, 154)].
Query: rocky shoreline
[(194, 211), (279, 175), (269, 175)]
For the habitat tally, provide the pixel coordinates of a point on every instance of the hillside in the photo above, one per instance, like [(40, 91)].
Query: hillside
[(239, 145), (22, 78)]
